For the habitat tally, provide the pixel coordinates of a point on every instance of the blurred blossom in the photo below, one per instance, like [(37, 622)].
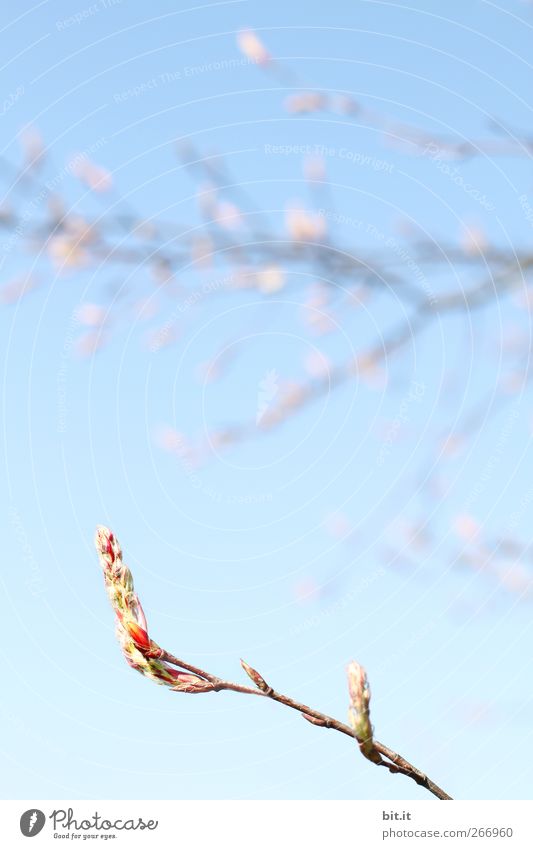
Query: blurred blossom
[(338, 525), (344, 104), (358, 296), (207, 198), (16, 289), (202, 251), (473, 240), (319, 296), (89, 343), (227, 215), (64, 252), (524, 297), (252, 47), (451, 445), (210, 371), (221, 438), (270, 279), (92, 315), (314, 168), (370, 371), (466, 527), (95, 177), (510, 384), (162, 337), (306, 590), (317, 364), (56, 208), (517, 579), (68, 249), (145, 308), (145, 230), (179, 445), (32, 147), (303, 225), (6, 212), (162, 270), (319, 322)]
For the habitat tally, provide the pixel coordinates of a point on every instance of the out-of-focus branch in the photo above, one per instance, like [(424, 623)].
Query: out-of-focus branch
[(143, 654), (306, 98), (426, 311)]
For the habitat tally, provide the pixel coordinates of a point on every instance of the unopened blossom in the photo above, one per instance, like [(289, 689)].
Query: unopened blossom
[(359, 711)]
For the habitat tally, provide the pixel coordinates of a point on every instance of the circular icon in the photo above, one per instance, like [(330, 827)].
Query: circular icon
[(32, 822)]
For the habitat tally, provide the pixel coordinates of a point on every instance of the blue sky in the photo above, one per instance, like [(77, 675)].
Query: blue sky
[(220, 561)]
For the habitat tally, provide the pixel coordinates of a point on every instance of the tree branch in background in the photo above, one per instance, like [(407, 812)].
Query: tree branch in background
[(144, 655)]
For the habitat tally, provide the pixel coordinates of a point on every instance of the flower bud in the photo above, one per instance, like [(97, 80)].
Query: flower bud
[(137, 634), (359, 712)]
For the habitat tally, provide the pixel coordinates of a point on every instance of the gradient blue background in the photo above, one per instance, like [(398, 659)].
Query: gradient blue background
[(448, 651)]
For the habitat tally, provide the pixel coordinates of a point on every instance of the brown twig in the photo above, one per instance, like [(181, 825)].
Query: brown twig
[(394, 762)]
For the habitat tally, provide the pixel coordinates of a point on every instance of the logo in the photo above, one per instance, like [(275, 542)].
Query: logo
[(32, 822)]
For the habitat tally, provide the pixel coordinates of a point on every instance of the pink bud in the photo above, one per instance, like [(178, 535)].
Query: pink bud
[(187, 683)]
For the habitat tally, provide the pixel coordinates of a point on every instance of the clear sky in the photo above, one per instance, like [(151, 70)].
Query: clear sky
[(244, 557)]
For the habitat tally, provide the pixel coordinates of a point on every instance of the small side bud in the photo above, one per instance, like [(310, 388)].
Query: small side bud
[(314, 720), (258, 680)]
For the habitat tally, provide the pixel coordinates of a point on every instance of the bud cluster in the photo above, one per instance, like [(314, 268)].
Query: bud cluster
[(132, 630)]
